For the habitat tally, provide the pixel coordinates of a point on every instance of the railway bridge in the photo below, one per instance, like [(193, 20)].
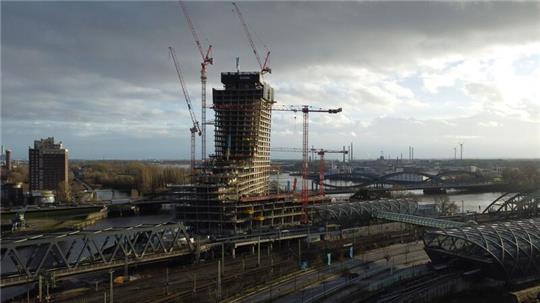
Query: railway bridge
[(26, 259), (405, 181)]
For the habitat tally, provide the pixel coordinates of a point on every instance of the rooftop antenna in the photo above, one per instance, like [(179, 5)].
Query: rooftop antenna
[(238, 64)]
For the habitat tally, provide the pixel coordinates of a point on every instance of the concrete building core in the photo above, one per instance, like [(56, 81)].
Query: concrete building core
[(243, 117), (231, 193), (48, 165)]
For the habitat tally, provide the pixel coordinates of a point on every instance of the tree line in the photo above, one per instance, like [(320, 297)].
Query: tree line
[(144, 177), (525, 177)]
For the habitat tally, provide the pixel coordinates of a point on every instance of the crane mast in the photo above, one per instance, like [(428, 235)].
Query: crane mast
[(206, 60), (196, 129), (321, 154), (305, 109), (263, 65)]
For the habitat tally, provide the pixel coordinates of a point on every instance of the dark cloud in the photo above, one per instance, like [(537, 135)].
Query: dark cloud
[(105, 64)]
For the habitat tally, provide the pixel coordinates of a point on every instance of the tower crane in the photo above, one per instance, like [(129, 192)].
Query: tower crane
[(321, 152), (305, 109), (195, 129), (206, 60), (263, 65)]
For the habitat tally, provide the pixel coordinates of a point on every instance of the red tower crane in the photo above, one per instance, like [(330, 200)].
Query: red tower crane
[(305, 109), (206, 60), (321, 153), (263, 65), (196, 129)]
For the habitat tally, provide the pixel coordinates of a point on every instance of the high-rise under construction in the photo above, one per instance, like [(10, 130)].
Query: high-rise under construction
[(243, 120), (231, 192)]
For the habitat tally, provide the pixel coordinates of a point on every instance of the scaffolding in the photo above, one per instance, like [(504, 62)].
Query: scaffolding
[(231, 195), (208, 210), (243, 116)]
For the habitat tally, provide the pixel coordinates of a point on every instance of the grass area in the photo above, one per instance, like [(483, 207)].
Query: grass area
[(50, 224), (52, 219)]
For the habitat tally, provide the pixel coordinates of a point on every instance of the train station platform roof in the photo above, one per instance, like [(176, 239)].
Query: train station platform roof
[(509, 250)]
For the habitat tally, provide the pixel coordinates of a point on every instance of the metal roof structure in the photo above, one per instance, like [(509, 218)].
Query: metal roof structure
[(508, 250), (347, 211), (417, 220)]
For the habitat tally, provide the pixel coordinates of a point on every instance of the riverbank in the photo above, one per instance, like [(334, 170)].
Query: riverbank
[(54, 219)]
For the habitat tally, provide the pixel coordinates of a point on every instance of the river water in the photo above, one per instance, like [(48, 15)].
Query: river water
[(469, 201), (472, 202)]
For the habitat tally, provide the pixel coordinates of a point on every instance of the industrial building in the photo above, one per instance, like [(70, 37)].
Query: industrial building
[(230, 193), (6, 164), (48, 165)]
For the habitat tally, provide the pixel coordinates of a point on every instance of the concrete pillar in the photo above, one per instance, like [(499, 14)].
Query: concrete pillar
[(40, 288), (218, 291), (222, 258), (259, 251), (111, 296)]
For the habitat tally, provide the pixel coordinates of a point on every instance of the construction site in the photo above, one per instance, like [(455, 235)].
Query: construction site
[(377, 230), (230, 192)]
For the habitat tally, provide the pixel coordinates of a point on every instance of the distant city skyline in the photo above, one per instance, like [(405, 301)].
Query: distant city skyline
[(97, 75)]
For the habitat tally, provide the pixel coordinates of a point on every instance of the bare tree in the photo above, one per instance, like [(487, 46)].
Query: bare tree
[(445, 206)]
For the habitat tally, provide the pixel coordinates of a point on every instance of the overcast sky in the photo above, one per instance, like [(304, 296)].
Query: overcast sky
[(98, 76)]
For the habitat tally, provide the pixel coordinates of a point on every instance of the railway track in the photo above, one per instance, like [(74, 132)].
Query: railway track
[(205, 289), (240, 275), (413, 289)]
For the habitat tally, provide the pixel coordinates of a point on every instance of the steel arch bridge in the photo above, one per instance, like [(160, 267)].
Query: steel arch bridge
[(394, 210), (438, 176), (521, 205), (506, 250), (25, 259), (429, 180)]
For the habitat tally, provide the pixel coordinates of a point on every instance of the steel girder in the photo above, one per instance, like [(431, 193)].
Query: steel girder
[(33, 256), (417, 220), (509, 250), (516, 204), (430, 181), (357, 210)]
